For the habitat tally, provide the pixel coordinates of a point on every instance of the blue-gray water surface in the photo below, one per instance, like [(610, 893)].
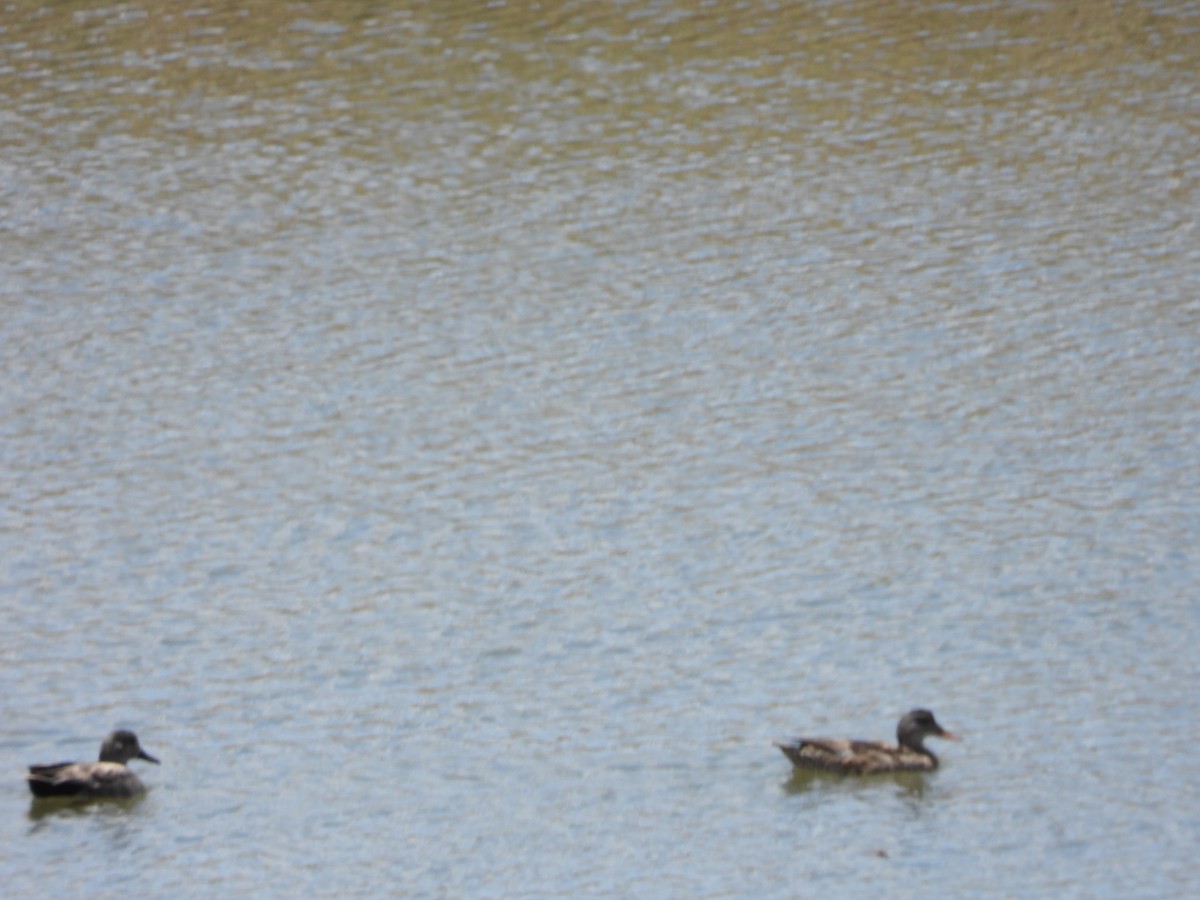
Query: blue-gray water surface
[(459, 439)]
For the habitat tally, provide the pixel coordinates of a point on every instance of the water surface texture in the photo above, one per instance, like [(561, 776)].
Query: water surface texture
[(458, 438)]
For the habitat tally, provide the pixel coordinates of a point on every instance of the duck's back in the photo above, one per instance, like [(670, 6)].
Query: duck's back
[(854, 757), (99, 779)]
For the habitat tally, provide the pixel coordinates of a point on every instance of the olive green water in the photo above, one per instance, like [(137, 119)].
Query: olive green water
[(458, 438)]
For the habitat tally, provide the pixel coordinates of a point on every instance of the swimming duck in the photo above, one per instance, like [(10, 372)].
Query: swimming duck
[(909, 754), (109, 777)]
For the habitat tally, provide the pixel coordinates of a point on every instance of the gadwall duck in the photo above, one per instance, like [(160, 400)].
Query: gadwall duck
[(908, 754), (109, 777)]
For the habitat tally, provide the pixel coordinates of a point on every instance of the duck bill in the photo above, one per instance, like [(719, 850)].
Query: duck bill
[(949, 736), (142, 754)]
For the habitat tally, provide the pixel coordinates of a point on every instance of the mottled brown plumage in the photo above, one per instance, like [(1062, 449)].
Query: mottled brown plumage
[(109, 777), (908, 754)]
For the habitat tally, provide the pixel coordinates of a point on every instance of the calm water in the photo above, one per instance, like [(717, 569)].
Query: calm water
[(459, 439)]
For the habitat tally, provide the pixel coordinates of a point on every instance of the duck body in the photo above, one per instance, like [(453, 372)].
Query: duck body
[(110, 777), (850, 757), (855, 757)]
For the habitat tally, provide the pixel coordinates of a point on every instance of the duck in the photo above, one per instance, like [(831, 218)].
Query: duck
[(849, 757), (110, 777)]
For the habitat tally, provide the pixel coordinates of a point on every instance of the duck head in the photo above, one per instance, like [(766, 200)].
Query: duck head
[(121, 747), (917, 725)]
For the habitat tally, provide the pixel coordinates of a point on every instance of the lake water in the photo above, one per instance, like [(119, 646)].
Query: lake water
[(459, 438)]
